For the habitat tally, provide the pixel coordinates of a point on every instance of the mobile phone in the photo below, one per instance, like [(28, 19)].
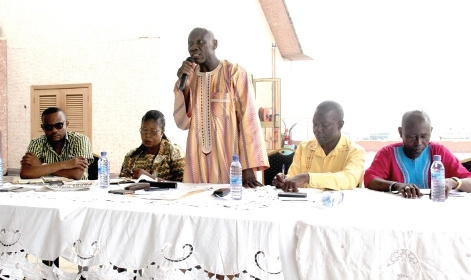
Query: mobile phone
[(292, 194), (222, 192), (120, 191)]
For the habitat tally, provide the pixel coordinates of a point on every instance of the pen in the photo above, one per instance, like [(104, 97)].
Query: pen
[(283, 169)]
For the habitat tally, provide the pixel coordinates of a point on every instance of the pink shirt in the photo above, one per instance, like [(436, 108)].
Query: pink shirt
[(384, 164)]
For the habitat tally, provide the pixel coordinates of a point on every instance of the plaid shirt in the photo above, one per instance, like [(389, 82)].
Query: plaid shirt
[(76, 144)]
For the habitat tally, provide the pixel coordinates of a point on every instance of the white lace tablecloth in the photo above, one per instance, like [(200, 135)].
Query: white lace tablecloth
[(375, 235), (371, 235), (189, 238)]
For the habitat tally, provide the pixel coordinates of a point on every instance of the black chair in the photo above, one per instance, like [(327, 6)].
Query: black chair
[(276, 159), (466, 163), (93, 168)]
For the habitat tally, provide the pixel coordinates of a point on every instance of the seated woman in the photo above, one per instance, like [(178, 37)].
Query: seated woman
[(156, 157)]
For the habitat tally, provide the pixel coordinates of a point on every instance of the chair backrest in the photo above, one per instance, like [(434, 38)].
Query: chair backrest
[(276, 159), (467, 163), (93, 168)]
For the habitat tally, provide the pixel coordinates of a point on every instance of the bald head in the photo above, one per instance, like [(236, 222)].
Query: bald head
[(411, 118), (208, 34)]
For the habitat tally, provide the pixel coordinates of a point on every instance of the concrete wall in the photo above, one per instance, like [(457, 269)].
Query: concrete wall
[(128, 50), (3, 104)]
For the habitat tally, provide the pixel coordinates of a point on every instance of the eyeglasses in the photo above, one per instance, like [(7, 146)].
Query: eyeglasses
[(151, 132), (48, 127)]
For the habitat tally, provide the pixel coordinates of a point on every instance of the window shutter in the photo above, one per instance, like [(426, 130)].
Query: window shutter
[(74, 108), (73, 99), (41, 100)]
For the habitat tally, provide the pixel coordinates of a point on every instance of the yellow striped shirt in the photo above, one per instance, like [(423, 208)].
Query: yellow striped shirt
[(75, 145)]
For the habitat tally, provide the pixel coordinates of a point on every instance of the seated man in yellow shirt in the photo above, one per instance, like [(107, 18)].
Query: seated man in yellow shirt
[(330, 160)]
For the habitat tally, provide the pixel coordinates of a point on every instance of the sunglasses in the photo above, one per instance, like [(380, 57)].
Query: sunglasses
[(48, 127)]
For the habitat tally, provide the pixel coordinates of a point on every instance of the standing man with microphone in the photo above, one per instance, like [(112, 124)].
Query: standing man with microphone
[(215, 102)]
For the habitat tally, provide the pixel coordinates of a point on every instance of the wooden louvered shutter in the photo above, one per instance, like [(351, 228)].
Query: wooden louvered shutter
[(75, 100)]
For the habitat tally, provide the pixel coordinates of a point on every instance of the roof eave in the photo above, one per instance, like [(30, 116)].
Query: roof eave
[(283, 30)]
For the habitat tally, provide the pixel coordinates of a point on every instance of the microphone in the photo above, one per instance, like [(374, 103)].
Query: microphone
[(185, 76)]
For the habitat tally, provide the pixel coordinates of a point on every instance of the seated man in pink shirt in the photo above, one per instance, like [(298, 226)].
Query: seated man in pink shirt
[(405, 167)]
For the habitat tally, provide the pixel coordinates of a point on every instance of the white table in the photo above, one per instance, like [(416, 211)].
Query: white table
[(197, 234), (375, 235), (371, 235)]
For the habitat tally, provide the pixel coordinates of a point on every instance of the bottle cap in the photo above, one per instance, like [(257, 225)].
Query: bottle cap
[(103, 154), (235, 158), (437, 157)]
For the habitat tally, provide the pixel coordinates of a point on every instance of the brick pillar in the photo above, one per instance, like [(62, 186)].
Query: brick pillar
[(3, 103)]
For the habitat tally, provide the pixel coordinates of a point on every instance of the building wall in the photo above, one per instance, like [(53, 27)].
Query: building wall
[(3, 104), (128, 50)]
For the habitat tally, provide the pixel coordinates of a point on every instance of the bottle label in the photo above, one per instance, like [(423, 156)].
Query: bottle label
[(235, 180), (438, 177)]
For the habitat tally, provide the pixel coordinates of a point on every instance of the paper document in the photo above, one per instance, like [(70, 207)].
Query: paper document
[(170, 194), (123, 180), (40, 181)]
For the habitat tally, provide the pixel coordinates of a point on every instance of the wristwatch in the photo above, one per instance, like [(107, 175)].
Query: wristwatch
[(458, 181)]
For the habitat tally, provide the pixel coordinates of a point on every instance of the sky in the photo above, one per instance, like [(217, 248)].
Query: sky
[(382, 58)]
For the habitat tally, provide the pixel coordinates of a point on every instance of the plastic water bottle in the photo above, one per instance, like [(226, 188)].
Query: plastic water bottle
[(236, 178), (332, 198), (103, 171), (437, 174)]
